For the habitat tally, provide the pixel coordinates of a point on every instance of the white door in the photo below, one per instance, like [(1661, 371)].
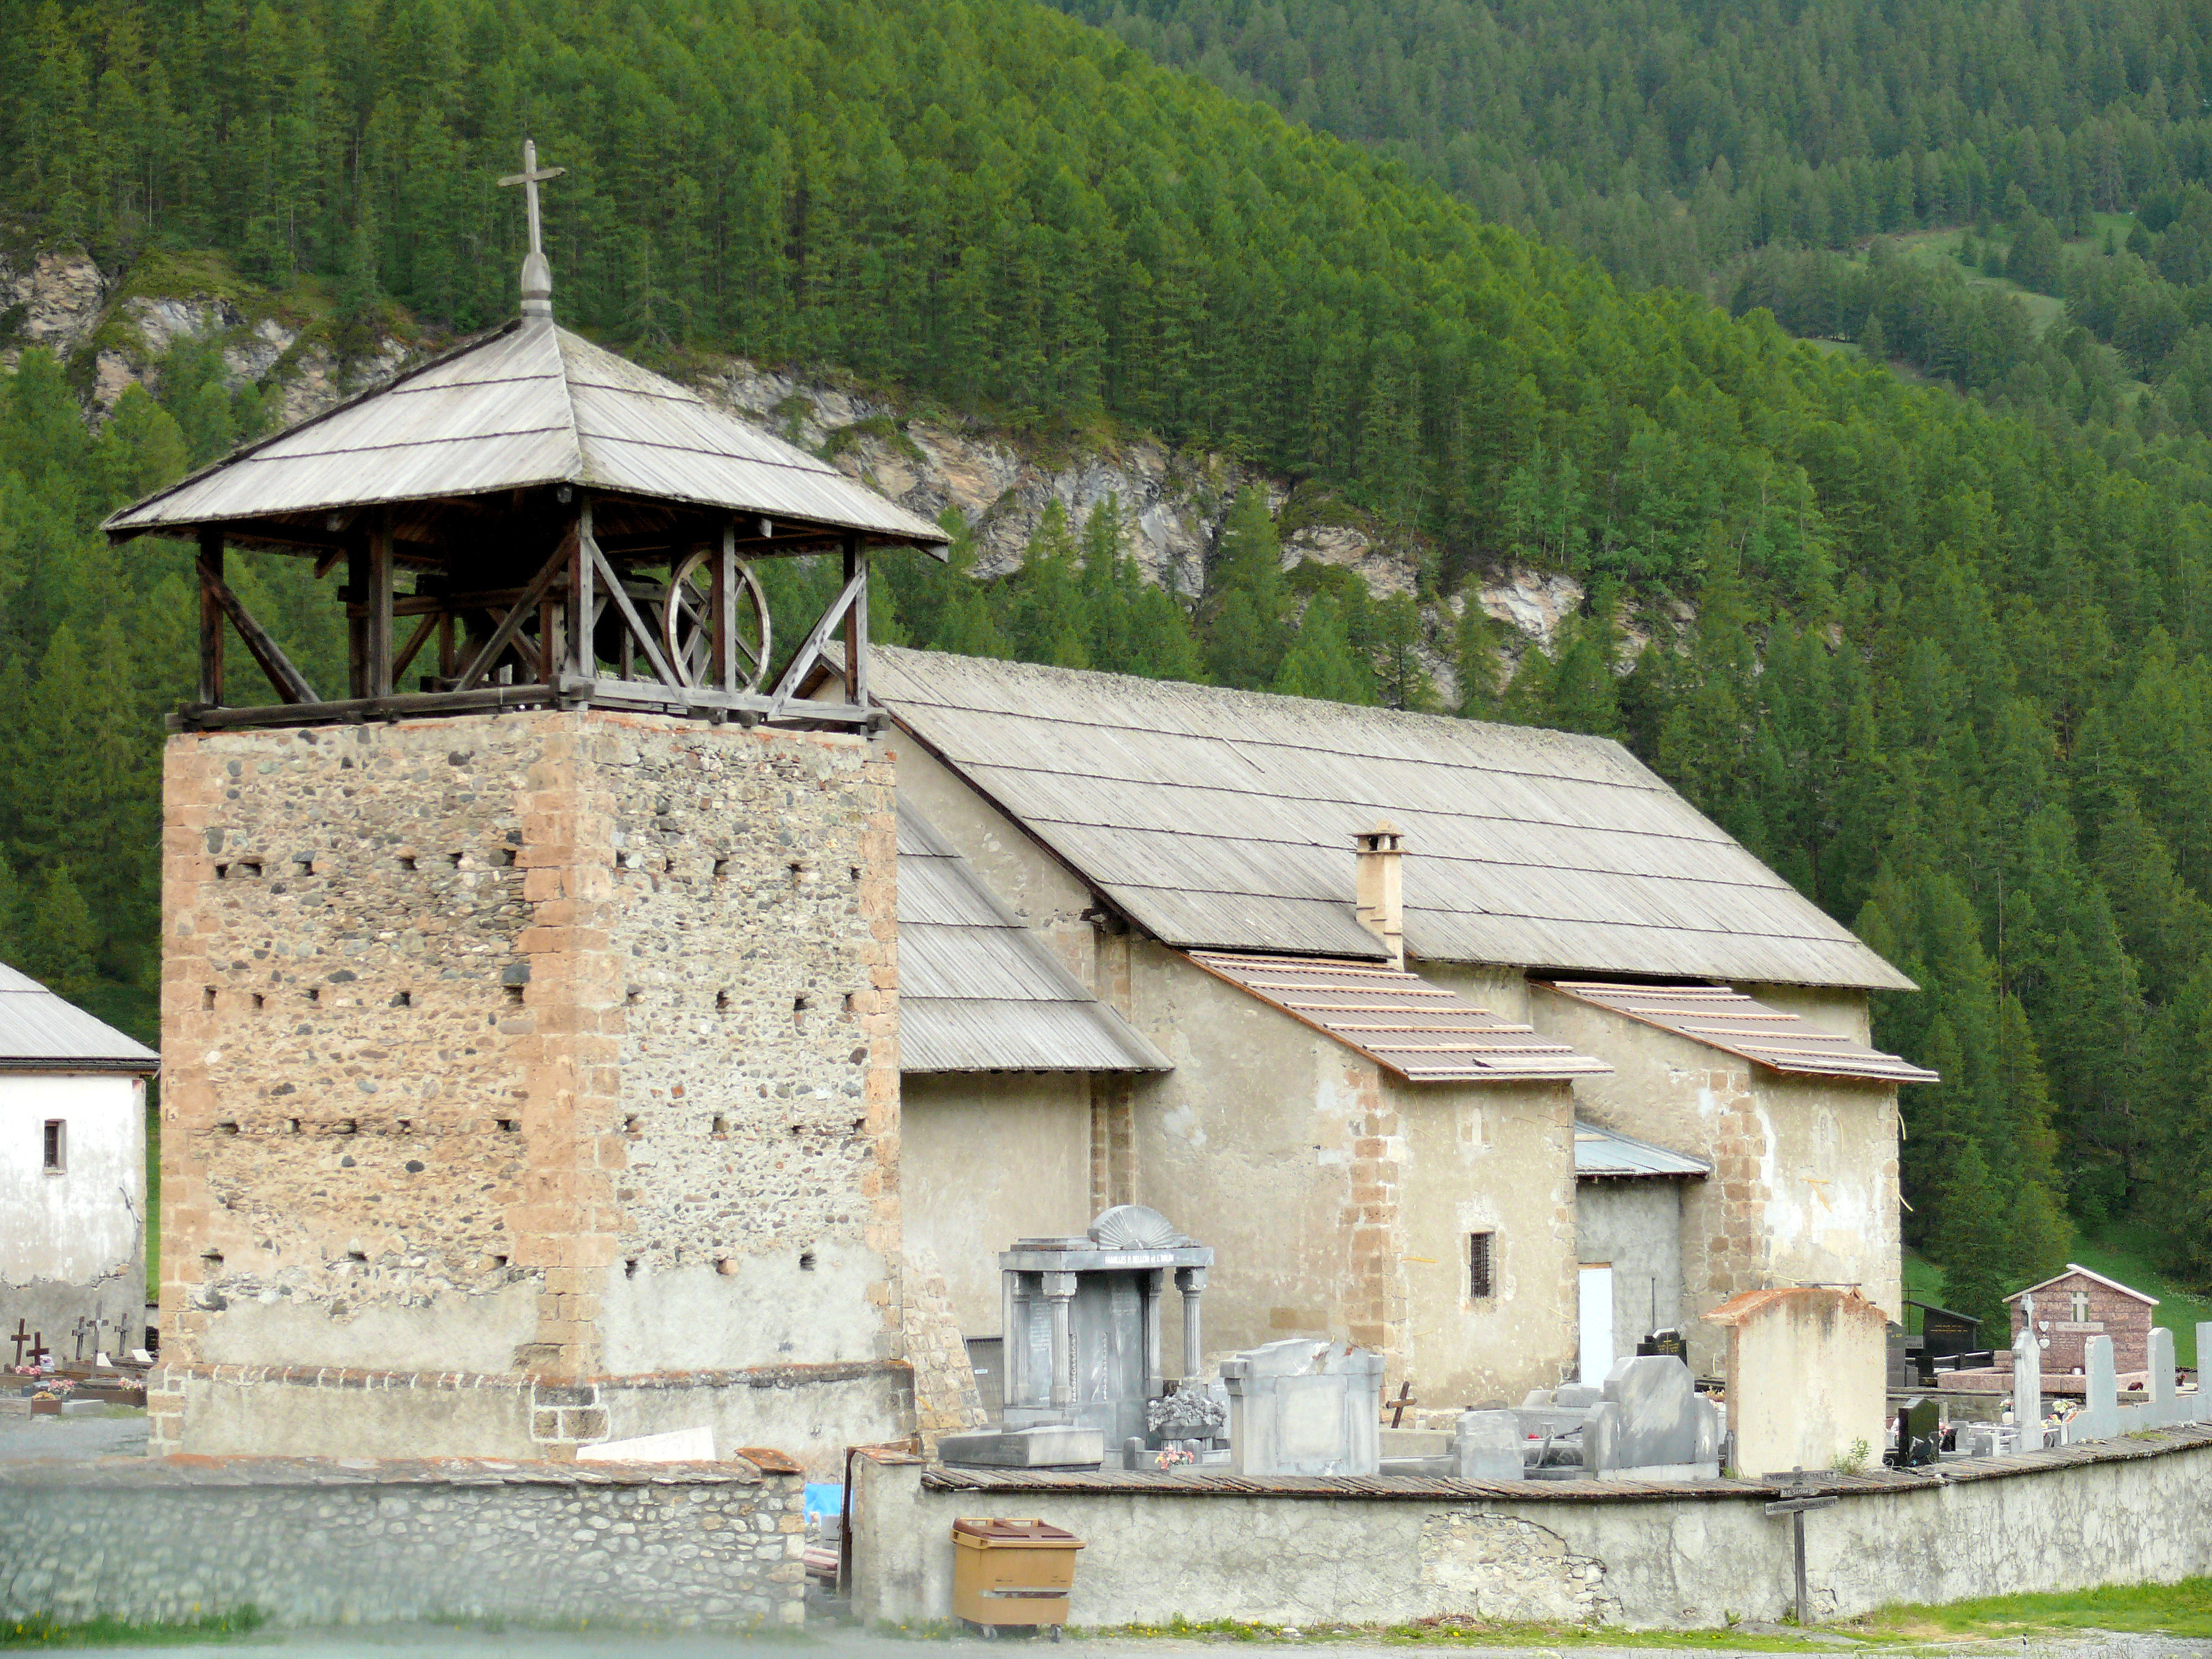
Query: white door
[(1596, 1322)]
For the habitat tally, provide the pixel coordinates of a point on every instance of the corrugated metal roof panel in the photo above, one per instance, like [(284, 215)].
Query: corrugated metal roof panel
[(39, 1031), (530, 405), (1726, 1019), (1423, 1032), (978, 991), (1606, 1153), (1225, 819)]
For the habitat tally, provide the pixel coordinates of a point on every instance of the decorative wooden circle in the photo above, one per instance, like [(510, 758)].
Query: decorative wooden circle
[(687, 623)]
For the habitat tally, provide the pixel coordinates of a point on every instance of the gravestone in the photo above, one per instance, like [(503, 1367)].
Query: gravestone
[(1652, 1424), (2099, 1416), (2027, 1380), (1053, 1446), (1488, 1446), (1304, 1407)]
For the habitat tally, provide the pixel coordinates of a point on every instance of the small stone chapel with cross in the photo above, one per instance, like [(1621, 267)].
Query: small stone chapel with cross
[(529, 1006)]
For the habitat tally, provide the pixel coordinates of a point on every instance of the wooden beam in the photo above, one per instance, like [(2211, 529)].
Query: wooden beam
[(355, 594), (400, 705), (856, 623), (511, 624), (582, 613), (810, 649), (210, 574), (629, 615), (415, 642), (288, 682), (380, 641)]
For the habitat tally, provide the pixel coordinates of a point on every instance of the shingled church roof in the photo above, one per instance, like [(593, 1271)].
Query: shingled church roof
[(1224, 819), (528, 404)]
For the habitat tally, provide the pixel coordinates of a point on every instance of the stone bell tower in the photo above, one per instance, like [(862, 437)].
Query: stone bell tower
[(529, 1031)]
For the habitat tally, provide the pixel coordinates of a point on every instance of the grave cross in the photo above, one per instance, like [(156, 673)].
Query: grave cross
[(537, 274), (1795, 1497), (22, 1339), (38, 1349)]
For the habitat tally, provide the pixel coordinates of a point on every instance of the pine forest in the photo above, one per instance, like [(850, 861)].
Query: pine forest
[(1855, 359)]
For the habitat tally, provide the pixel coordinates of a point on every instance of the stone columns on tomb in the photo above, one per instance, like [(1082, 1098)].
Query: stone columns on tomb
[(1060, 1290), (1156, 1288), (1191, 1281), (1013, 1359)]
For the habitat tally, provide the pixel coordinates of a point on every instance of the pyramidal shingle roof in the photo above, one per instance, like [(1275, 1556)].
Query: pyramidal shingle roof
[(528, 404)]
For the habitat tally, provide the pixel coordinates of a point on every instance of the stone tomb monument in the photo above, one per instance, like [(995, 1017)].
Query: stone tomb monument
[(1305, 1407), (1652, 1424), (1083, 1322)]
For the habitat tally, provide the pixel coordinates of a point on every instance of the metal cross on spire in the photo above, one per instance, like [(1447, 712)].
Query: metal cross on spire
[(537, 274)]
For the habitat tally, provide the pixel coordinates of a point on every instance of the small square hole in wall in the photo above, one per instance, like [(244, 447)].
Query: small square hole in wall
[(503, 857), (850, 999), (632, 997), (721, 1002), (510, 1126), (226, 1128), (402, 1000), (807, 1261), (303, 865), (405, 1126), (499, 1261), (211, 1258), (245, 868), (452, 860), (856, 873), (629, 1268), (258, 1003), (513, 995), (797, 874), (345, 1126), (291, 1126), (207, 996), (222, 872), (727, 1266), (721, 869), (1482, 1265), (357, 1255), (406, 863), (629, 1124), (314, 994), (799, 1005), (721, 1129)]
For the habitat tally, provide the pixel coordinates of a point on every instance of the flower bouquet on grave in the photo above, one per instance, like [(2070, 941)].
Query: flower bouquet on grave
[(1171, 1456)]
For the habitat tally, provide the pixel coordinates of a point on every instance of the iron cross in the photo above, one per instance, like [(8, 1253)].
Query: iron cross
[(530, 178)]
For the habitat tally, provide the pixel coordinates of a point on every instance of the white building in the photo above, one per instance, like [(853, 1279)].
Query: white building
[(72, 1175)]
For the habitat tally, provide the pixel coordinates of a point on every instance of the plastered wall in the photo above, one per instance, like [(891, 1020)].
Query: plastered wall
[(1804, 1182), (989, 1160), (1635, 1227), (556, 1043), (72, 1242)]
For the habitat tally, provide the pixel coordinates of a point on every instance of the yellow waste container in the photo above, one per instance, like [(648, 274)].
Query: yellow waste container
[(1011, 1572)]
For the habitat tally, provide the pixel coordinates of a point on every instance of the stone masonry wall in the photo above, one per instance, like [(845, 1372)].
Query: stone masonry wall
[(310, 1542), (471, 1025), (945, 1398)]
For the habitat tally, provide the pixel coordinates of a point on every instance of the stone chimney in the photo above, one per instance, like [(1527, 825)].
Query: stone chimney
[(1383, 888)]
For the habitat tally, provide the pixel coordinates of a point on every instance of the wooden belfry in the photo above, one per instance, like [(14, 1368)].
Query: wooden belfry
[(529, 521)]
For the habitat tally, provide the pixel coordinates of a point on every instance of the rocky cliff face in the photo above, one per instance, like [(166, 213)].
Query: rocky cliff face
[(1175, 500)]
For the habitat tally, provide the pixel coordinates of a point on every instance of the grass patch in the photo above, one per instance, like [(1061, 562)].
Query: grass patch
[(2180, 1610), (1470, 1633), (117, 1632)]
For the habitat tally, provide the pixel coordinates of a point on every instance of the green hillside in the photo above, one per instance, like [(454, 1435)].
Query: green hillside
[(1949, 668), (1666, 137)]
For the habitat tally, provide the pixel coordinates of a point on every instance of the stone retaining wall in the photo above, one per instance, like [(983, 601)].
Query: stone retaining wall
[(1388, 1550), (317, 1541)]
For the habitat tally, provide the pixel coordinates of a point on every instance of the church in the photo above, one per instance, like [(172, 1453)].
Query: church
[(624, 1011)]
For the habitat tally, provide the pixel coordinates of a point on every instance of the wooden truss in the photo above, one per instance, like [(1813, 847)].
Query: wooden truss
[(678, 627)]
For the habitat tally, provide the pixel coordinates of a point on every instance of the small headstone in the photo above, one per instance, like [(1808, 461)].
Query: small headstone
[(2099, 1416), (1653, 1420), (1052, 1446), (1303, 1408), (1487, 1446)]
